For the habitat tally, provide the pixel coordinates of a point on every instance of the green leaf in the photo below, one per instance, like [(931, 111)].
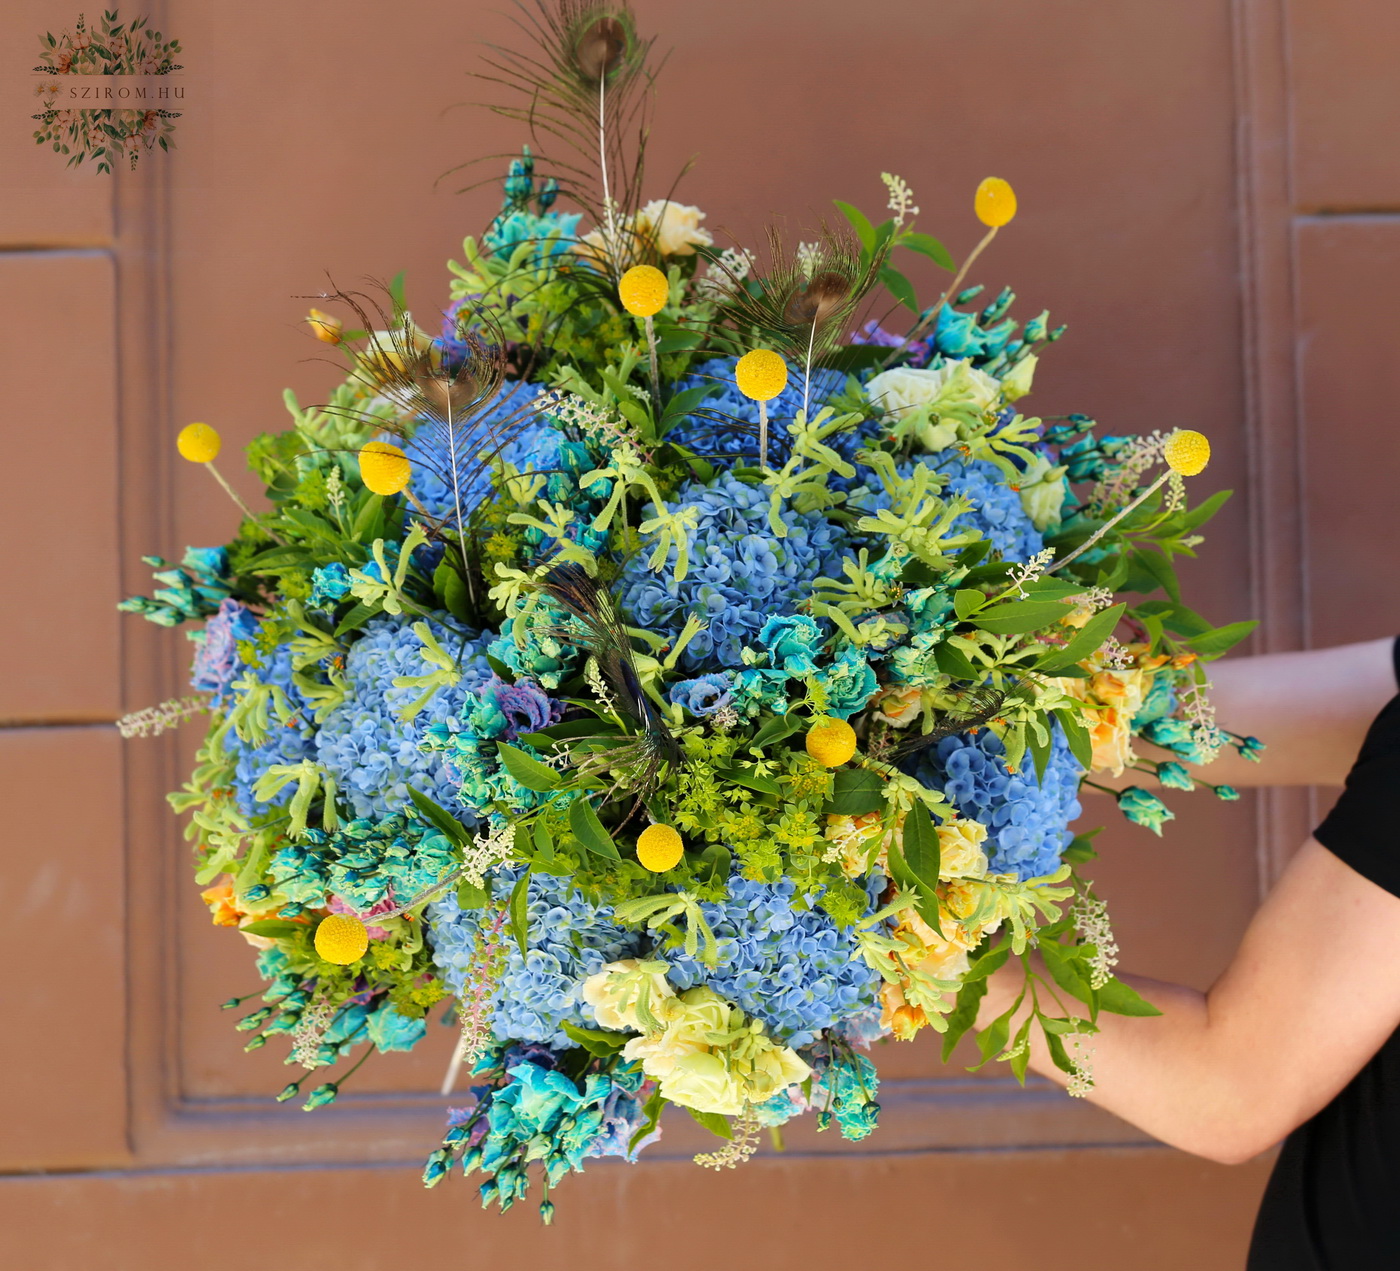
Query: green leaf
[(1019, 1061), (1214, 643), (715, 861), (964, 1015), (526, 771), (1123, 999), (1081, 746), (568, 730), (651, 1111), (448, 584), (1059, 1055), (519, 910), (273, 928), (1018, 617), (367, 519), (596, 1041), (1065, 970), (470, 896), (855, 791), (927, 245), (397, 293), (1040, 752), (356, 618), (953, 661), (922, 852), (1187, 521), (1160, 568), (713, 1122), (589, 830), (1081, 850), (865, 231), (440, 818), (967, 602), (900, 288), (988, 964), (776, 729), (1084, 643), (751, 780)]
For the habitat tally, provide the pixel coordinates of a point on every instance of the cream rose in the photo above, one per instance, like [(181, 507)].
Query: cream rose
[(674, 227), (918, 397), (961, 854)]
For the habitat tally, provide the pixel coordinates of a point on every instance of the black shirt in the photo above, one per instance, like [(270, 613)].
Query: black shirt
[(1333, 1200)]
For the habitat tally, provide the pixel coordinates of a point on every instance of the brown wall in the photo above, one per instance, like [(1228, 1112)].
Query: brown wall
[(1208, 200)]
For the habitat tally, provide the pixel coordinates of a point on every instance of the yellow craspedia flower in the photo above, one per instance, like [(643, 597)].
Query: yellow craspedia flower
[(199, 443), (831, 742), (324, 326), (995, 203), (643, 290), (1186, 452), (659, 848), (384, 468), (342, 939), (761, 374)]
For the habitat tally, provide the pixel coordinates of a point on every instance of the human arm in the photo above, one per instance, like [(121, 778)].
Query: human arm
[(1312, 993), (1311, 709)]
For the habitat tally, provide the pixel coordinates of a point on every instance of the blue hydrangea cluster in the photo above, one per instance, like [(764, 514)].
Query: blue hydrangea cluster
[(726, 423), (287, 743), (794, 969), (570, 939), (997, 512), (1026, 818), (533, 445), (740, 575), (366, 743)]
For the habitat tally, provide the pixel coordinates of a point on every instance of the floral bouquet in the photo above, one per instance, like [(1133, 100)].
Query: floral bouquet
[(670, 675)]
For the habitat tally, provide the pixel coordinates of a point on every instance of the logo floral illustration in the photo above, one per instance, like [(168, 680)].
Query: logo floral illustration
[(105, 134)]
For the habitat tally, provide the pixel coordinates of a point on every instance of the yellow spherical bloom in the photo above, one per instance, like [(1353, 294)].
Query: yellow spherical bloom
[(831, 742), (198, 443), (659, 848), (995, 203), (1186, 452), (384, 468), (342, 939), (324, 326), (761, 374), (643, 290)]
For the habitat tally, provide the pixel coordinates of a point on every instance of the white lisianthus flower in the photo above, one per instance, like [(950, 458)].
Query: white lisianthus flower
[(929, 402), (1043, 492)]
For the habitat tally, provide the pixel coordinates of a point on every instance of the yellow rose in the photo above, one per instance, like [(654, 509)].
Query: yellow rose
[(613, 993), (1113, 697), (850, 837), (702, 1081), (961, 854), (673, 227), (774, 1068)]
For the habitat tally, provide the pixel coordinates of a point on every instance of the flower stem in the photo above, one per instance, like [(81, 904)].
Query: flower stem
[(1108, 525), (932, 316)]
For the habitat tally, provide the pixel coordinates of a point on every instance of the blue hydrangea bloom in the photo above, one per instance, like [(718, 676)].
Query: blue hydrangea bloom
[(373, 752), (570, 939), (1027, 820), (288, 743), (997, 513), (794, 969), (740, 574), (534, 445)]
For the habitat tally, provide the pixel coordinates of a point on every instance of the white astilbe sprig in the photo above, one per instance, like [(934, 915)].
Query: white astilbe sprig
[(739, 1149), (308, 1034), (1096, 598), (1114, 656), (592, 422), (155, 720), (1081, 1057), (1031, 570), (1090, 917), (733, 267), (1120, 485), (486, 852), (808, 256), (901, 197), (1205, 735)]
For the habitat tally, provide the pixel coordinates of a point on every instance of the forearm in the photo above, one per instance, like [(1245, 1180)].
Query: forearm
[(1162, 1073), (1311, 709)]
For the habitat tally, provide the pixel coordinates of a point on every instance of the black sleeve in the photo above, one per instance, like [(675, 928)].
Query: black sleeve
[(1363, 829)]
